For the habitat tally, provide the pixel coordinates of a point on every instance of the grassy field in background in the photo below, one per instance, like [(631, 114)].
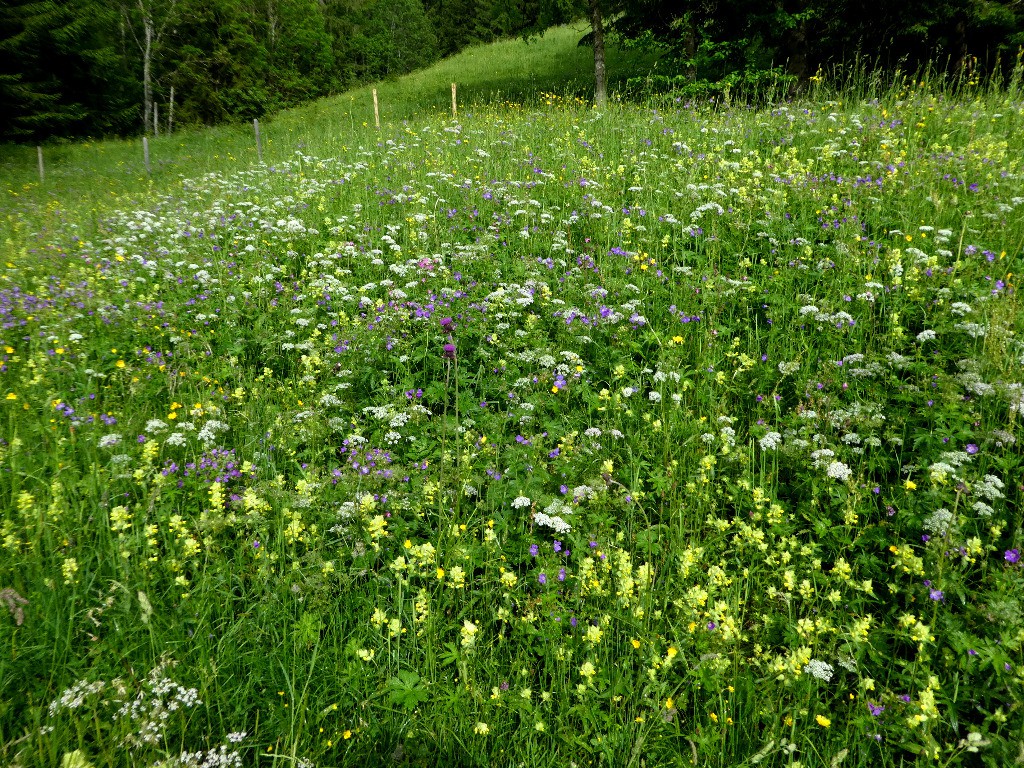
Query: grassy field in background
[(667, 434), (513, 71)]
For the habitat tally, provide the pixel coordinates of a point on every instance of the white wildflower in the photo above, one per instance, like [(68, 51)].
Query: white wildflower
[(839, 471), (938, 522), (819, 670)]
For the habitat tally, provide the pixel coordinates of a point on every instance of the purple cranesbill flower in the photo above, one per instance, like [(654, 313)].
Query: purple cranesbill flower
[(449, 351), (875, 709), (905, 698), (712, 626), (971, 652), (256, 544), (936, 595), (542, 578), (1012, 556), (561, 574), (557, 546), (534, 549), (971, 448)]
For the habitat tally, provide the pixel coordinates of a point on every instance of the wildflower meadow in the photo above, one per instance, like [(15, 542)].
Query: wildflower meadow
[(676, 433)]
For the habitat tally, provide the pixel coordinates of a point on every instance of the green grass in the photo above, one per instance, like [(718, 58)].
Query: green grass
[(663, 435), (511, 71)]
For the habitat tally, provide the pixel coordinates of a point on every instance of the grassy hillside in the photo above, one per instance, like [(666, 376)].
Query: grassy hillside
[(663, 435), (511, 71)]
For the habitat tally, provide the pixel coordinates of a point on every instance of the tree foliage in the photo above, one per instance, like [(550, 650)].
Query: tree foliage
[(717, 37), (79, 67)]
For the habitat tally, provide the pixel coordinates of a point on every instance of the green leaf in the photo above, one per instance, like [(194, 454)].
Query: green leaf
[(406, 690)]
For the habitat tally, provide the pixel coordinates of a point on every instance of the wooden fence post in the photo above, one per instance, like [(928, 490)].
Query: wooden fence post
[(376, 111), (145, 155), (455, 112), (39, 154), (170, 113), (156, 119), (259, 143)]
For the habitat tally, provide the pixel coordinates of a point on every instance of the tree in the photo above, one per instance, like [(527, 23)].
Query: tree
[(393, 37), (147, 21), (60, 69), (597, 33), (718, 37), (548, 13)]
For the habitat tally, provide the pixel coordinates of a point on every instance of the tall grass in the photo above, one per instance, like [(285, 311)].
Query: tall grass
[(666, 434)]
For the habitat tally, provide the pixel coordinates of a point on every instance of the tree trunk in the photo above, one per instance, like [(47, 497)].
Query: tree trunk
[(147, 84), (272, 23), (600, 86), (794, 40), (690, 46)]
